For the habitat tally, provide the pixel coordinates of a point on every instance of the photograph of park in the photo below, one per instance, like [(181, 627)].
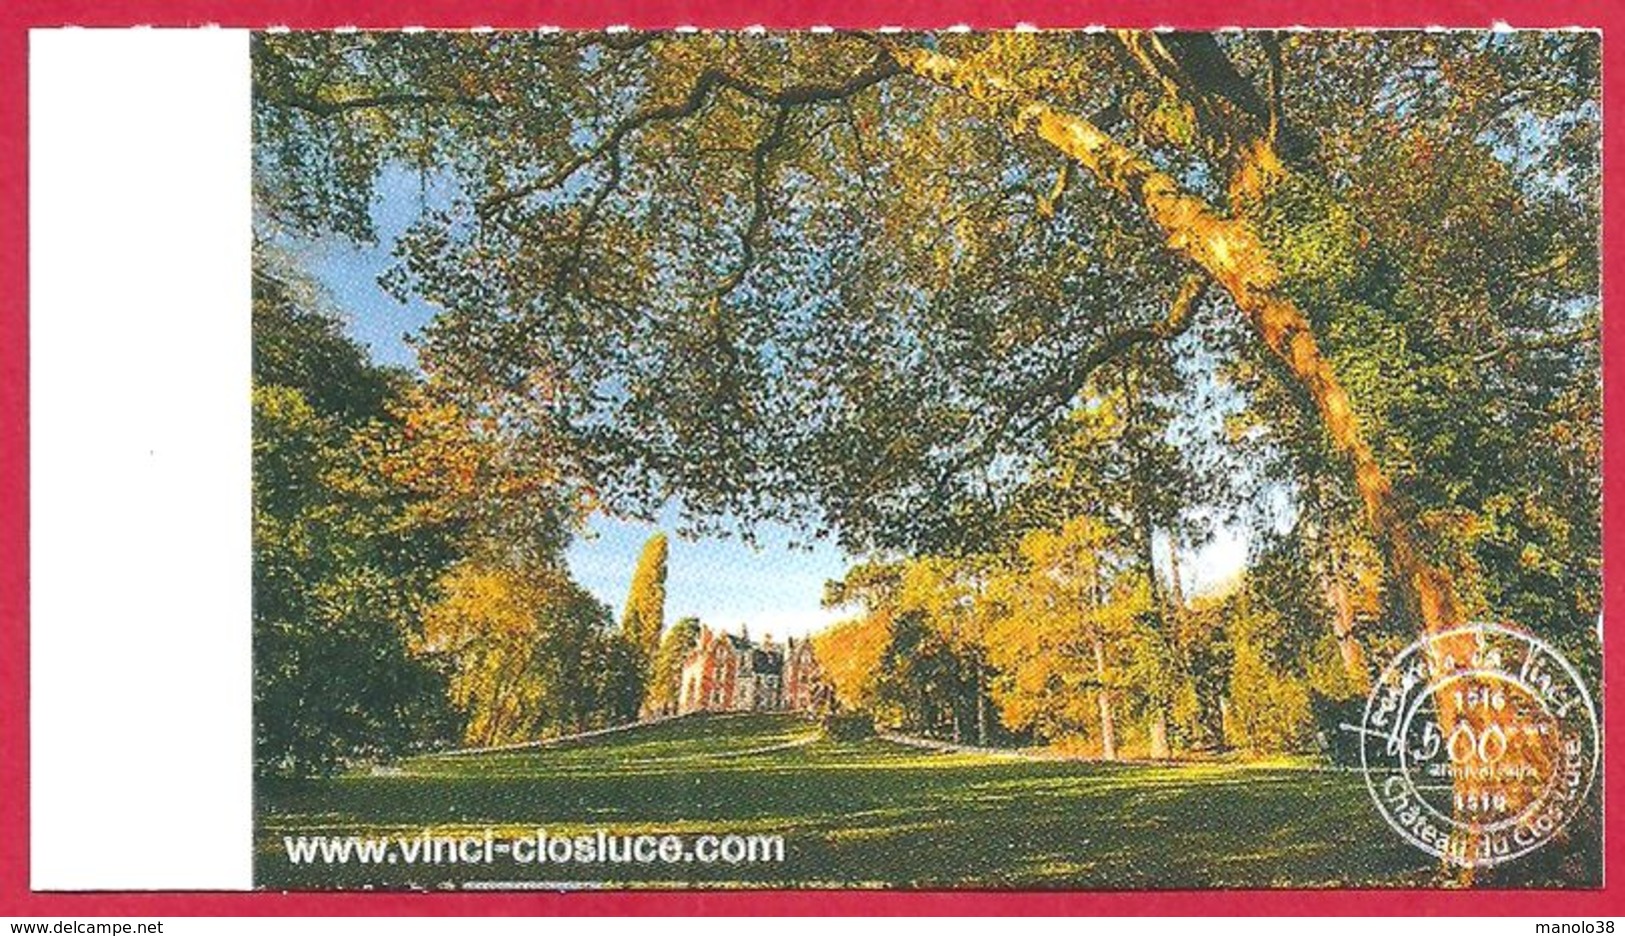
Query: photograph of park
[(1087, 460)]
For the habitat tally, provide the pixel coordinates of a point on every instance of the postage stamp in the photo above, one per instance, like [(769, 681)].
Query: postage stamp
[(984, 460), (1481, 744)]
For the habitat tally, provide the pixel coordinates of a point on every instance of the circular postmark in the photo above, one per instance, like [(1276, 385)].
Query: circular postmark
[(1479, 744)]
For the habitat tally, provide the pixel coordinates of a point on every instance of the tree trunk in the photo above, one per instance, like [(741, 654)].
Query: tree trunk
[(1159, 732), (1231, 252), (1176, 589), (1348, 645), (1108, 734), (981, 705), (1334, 583), (1103, 696)]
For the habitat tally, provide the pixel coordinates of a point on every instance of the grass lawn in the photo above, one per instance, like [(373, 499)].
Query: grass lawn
[(867, 813)]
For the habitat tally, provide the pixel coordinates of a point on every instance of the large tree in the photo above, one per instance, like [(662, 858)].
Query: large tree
[(343, 560), (843, 276), (645, 614), (666, 670), (532, 654), (855, 278)]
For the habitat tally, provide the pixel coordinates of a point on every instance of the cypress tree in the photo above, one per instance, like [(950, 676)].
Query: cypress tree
[(645, 613)]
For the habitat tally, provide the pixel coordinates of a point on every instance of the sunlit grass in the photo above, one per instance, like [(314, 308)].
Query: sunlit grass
[(862, 813)]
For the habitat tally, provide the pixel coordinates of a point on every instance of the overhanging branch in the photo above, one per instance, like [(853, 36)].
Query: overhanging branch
[(1042, 401), (1232, 252), (700, 93)]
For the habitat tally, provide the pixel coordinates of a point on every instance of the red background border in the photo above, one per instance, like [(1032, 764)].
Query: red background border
[(17, 16)]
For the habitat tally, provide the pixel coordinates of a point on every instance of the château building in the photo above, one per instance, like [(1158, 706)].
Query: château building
[(730, 673)]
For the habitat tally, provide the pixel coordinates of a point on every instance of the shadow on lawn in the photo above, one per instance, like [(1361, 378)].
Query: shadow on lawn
[(865, 814)]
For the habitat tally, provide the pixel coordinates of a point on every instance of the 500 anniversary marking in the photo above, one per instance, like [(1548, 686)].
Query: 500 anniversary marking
[(1479, 744)]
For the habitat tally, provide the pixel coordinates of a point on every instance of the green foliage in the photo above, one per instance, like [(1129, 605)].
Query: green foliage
[(1269, 707), (776, 278), (645, 614), (296, 346), (931, 303), (396, 605), (622, 672), (1450, 267), (1327, 674), (340, 572), (665, 675), (924, 686), (533, 654)]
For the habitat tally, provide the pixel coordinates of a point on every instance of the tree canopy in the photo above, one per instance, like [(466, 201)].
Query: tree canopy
[(854, 278), (1019, 315), (342, 570), (645, 614)]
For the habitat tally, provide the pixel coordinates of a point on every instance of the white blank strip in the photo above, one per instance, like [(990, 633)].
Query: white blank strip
[(139, 403)]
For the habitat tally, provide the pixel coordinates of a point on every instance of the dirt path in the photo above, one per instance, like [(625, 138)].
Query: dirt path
[(629, 726), (560, 739), (1041, 754), (792, 744), (949, 747)]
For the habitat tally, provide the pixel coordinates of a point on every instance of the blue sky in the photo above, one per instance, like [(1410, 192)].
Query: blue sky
[(772, 588)]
